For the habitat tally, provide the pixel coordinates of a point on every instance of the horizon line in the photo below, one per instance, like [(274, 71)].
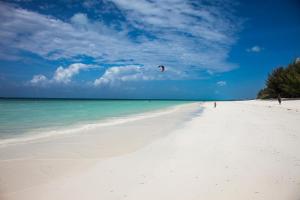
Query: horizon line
[(149, 99)]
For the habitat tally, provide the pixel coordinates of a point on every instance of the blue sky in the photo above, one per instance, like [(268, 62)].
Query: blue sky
[(217, 49)]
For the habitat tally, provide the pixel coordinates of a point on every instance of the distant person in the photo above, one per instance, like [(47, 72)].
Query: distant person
[(215, 104), (279, 99)]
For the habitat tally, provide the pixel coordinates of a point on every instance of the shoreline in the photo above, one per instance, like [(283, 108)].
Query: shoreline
[(47, 133)]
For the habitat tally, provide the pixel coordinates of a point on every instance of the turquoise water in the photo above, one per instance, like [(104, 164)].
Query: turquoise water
[(21, 116)]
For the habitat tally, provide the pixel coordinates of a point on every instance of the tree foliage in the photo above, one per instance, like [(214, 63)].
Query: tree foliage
[(283, 81)]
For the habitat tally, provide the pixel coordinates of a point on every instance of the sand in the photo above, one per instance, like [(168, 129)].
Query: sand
[(239, 150)]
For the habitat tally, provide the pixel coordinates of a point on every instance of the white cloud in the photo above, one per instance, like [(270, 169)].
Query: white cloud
[(173, 16), (61, 75), (177, 34), (64, 75), (255, 49), (80, 19), (38, 79), (221, 83), (122, 73), (118, 74)]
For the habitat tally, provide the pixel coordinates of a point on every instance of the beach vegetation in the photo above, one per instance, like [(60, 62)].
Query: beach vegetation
[(283, 81)]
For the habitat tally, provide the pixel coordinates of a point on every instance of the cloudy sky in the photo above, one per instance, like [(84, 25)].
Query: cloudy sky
[(211, 49)]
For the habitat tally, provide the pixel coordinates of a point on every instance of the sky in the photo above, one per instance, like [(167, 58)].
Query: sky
[(211, 49)]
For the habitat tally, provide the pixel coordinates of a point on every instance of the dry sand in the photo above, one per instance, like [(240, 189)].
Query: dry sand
[(239, 150)]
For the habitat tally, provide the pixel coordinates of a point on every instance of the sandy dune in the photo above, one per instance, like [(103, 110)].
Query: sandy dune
[(239, 150)]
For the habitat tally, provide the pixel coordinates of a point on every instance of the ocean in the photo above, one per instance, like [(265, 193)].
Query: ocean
[(21, 117)]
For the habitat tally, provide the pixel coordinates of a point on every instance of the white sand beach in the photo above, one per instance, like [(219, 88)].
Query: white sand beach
[(239, 150)]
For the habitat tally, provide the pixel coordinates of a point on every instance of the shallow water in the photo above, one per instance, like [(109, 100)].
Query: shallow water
[(21, 116)]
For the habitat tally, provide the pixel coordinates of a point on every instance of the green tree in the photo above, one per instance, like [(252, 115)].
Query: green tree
[(284, 81)]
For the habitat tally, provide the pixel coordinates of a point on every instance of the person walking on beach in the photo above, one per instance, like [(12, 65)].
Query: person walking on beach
[(279, 99), (215, 104)]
